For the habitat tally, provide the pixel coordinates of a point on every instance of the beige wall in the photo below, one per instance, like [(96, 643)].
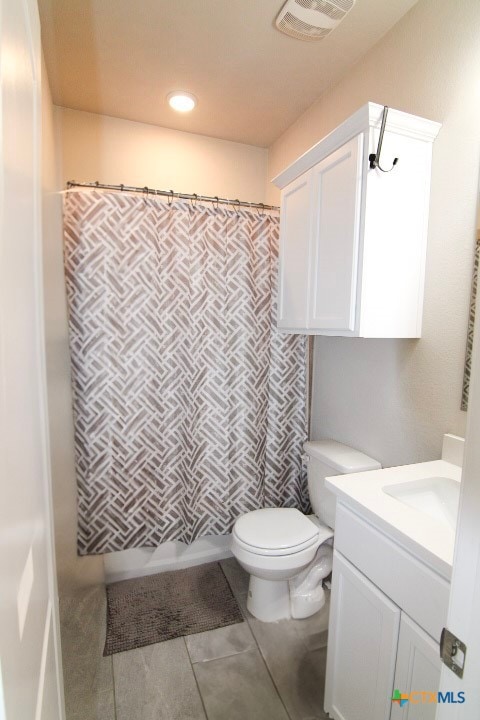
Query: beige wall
[(110, 150), (72, 570), (394, 399)]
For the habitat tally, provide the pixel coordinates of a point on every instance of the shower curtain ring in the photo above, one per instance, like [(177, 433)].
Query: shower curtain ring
[(146, 191), (237, 205), (217, 203), (194, 199), (262, 206), (170, 198)]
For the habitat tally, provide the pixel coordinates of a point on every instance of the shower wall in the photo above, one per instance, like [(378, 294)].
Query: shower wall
[(83, 146)]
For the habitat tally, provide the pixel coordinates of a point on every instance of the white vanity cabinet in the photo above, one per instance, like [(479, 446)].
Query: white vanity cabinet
[(376, 644), (373, 649), (362, 643), (353, 239), (417, 671)]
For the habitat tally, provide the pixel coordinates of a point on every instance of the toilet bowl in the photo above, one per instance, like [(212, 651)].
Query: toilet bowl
[(288, 554), (274, 545)]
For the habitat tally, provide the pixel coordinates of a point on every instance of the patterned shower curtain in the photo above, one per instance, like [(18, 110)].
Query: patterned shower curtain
[(189, 405)]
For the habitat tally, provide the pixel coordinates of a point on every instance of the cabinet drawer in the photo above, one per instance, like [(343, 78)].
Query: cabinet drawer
[(419, 591)]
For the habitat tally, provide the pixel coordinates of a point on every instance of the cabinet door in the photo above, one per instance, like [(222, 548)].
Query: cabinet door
[(362, 645), (417, 671), (337, 192), (295, 232)]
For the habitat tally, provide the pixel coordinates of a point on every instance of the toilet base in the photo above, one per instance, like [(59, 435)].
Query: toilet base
[(268, 600)]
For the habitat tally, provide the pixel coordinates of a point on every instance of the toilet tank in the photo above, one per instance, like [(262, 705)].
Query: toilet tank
[(325, 459)]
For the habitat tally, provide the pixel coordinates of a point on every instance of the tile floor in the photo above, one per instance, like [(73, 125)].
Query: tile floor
[(248, 671)]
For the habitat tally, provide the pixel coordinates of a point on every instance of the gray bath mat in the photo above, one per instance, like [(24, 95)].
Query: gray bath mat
[(160, 607)]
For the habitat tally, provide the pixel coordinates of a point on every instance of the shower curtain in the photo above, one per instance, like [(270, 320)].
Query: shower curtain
[(189, 405)]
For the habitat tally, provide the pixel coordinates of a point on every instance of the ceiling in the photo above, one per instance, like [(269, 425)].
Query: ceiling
[(121, 58)]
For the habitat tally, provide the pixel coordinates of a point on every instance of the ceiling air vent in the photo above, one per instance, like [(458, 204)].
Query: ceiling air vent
[(311, 19)]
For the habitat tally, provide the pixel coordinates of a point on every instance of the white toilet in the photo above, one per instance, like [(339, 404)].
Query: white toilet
[(288, 554)]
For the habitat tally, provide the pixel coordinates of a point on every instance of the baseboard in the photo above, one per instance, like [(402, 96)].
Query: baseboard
[(138, 562)]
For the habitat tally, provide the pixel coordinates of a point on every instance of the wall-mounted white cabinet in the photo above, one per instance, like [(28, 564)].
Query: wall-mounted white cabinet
[(352, 239)]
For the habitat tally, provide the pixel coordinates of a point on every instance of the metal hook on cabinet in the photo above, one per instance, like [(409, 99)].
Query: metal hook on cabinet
[(374, 158)]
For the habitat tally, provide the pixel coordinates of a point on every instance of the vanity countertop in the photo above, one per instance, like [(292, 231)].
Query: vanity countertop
[(425, 537)]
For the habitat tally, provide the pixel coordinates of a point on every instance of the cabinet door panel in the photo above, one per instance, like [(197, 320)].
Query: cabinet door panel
[(337, 183), (295, 231), (362, 645), (418, 670)]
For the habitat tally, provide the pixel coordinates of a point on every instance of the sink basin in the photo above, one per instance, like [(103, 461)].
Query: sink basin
[(435, 496)]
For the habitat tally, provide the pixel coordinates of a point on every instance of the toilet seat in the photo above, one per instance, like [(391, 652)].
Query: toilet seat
[(275, 552), (278, 532)]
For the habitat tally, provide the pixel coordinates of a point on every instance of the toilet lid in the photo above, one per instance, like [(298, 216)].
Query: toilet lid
[(277, 529)]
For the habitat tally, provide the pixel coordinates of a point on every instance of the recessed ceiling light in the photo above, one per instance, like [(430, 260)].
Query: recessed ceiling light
[(181, 101)]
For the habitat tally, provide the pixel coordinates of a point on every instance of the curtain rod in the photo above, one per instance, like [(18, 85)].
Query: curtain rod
[(146, 191)]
